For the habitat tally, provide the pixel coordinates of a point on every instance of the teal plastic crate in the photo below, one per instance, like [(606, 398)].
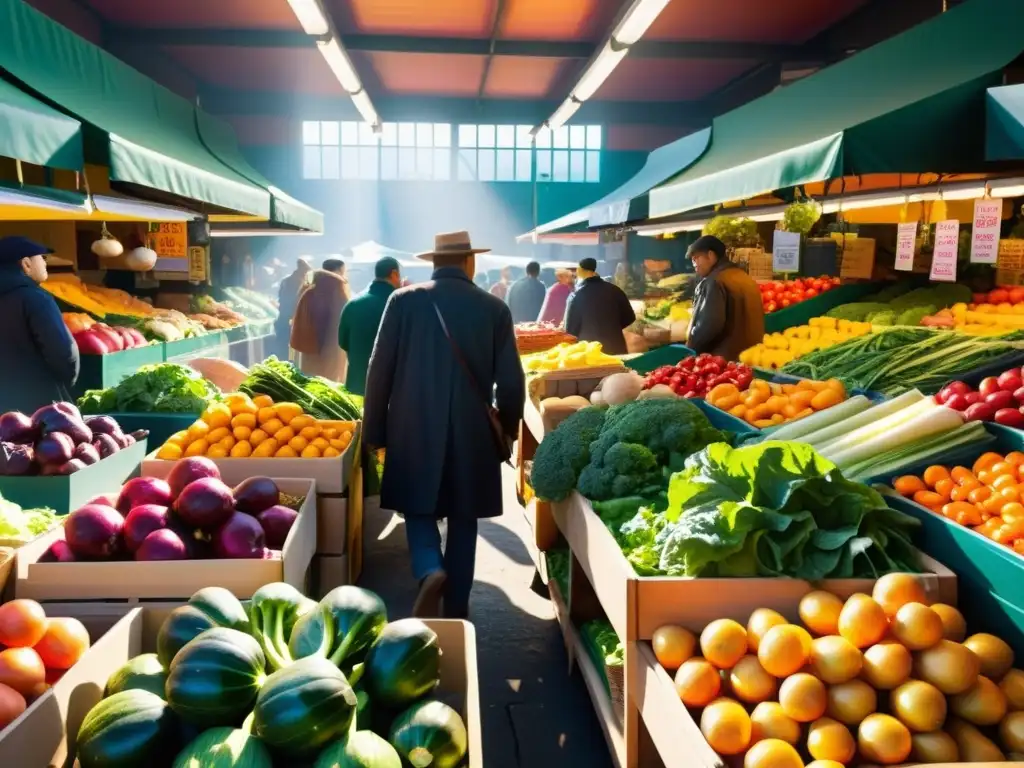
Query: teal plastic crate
[(103, 371), (160, 425), (65, 493), (184, 349), (670, 354), (721, 420)]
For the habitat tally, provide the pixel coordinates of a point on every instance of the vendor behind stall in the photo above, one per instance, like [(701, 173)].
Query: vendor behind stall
[(727, 315), (599, 310), (37, 347)]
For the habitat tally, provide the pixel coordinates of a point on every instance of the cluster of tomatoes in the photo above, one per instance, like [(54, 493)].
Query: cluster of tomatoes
[(780, 294), (696, 376), (1001, 296)]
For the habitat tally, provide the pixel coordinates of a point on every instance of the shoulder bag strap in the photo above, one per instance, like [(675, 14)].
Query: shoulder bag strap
[(458, 356)]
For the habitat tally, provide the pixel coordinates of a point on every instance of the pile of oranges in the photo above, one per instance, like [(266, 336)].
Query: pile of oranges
[(876, 679), (987, 497), (241, 427)]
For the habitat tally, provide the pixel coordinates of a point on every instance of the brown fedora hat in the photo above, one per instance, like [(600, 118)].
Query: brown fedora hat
[(451, 244)]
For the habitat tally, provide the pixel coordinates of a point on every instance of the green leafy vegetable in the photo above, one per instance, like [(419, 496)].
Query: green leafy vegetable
[(161, 388), (19, 526), (320, 398)]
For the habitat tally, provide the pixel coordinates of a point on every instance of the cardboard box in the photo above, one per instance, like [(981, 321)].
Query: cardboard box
[(45, 735), (65, 493), (331, 525), (637, 606), (171, 580), (329, 571)]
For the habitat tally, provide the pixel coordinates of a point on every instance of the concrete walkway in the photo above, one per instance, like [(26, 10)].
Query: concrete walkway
[(534, 714)]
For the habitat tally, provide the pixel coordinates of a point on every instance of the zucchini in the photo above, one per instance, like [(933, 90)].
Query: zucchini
[(303, 707), (224, 748), (403, 664), (215, 678), (430, 733), (144, 672), (362, 749), (131, 729)]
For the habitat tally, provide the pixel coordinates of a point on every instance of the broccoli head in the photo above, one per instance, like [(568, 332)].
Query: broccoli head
[(564, 452), (625, 469), (671, 429)]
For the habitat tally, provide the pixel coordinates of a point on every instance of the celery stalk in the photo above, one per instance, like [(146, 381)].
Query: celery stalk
[(862, 418), (878, 426), (938, 419), (797, 430), (924, 451)]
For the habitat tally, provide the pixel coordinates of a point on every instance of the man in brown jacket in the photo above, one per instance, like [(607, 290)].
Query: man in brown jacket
[(727, 315)]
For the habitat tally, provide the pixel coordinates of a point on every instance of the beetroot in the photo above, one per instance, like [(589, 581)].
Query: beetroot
[(59, 418), (197, 543), (58, 552), (55, 448), (188, 471), (94, 531), (102, 425), (143, 490), (206, 503), (142, 521), (86, 453), (163, 544), (241, 537), (276, 523), (16, 427), (17, 459), (255, 494), (106, 499), (106, 445), (69, 409), (70, 467)]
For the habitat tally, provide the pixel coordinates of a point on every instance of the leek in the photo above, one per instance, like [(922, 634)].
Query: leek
[(876, 427), (860, 419), (936, 419), (928, 450), (837, 414)]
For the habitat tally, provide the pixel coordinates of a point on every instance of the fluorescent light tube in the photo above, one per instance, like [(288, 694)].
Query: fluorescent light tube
[(311, 17), (1007, 188), (340, 65), (598, 71), (365, 107), (563, 114), (638, 20), (963, 193)]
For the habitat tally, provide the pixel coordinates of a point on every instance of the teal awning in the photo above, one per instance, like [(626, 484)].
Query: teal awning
[(220, 140), (1004, 123), (910, 104), (145, 134), (36, 133)]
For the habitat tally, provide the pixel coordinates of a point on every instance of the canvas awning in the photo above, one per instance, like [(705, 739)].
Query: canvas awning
[(908, 104), (36, 133), (1004, 123), (629, 202), (145, 134), (285, 211)]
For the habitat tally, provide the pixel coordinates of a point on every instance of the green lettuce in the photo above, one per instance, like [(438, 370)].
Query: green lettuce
[(778, 509)]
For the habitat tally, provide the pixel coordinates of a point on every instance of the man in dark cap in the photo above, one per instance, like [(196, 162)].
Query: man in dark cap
[(360, 321), (598, 310), (526, 296), (36, 343), (727, 315)]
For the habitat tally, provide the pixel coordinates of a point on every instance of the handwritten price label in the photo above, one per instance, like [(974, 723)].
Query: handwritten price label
[(947, 240), (169, 239), (906, 241), (985, 234)]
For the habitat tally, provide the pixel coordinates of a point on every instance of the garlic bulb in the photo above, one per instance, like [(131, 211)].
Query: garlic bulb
[(141, 259)]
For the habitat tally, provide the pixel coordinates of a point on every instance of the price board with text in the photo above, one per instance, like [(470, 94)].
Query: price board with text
[(198, 258), (169, 239)]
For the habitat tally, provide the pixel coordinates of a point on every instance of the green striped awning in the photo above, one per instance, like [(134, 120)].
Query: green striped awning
[(36, 133)]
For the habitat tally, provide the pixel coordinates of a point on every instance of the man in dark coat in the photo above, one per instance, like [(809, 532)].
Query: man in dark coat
[(361, 318), (598, 310), (445, 350), (35, 340), (526, 296), (728, 314)]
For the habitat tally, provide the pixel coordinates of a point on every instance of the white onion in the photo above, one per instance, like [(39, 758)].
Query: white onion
[(141, 259), (107, 248)]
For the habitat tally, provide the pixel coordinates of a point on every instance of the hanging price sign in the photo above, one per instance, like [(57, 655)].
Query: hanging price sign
[(197, 261), (906, 241), (985, 233), (947, 242), (169, 239), (786, 251)]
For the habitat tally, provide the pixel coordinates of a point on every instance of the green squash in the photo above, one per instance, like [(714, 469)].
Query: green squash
[(403, 664), (144, 672), (342, 628), (273, 612), (303, 707), (131, 729), (430, 734), (224, 748), (215, 678), (208, 608), (224, 608), (362, 749)]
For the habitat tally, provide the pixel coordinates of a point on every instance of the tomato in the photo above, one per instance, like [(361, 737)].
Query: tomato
[(989, 385), (810, 293), (786, 303), (1017, 295), (769, 295), (22, 623), (998, 296), (772, 306)]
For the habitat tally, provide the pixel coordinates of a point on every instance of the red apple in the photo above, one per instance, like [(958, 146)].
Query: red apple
[(989, 385)]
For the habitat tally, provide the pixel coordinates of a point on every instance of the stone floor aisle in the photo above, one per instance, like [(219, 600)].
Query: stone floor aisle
[(534, 714)]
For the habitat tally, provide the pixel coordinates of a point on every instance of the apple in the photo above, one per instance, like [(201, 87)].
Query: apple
[(980, 412), (1000, 399), (1010, 380), (989, 385)]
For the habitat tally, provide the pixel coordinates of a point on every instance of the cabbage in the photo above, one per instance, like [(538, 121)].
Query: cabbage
[(19, 526)]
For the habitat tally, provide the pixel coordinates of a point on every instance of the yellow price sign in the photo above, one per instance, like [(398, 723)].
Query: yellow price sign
[(197, 261), (169, 239)]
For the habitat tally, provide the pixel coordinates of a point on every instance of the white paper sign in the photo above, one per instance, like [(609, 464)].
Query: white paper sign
[(947, 241), (985, 234), (906, 240), (786, 251)]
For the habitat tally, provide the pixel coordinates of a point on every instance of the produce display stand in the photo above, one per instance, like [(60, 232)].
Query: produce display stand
[(103, 371), (64, 493), (167, 580), (45, 735), (602, 582)]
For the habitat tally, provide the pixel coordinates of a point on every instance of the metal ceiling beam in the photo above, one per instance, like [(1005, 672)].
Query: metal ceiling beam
[(499, 14), (449, 110), (647, 49)]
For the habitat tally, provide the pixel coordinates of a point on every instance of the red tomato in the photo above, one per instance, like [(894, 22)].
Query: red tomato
[(772, 306), (989, 385), (998, 296), (1017, 295), (810, 293), (786, 303)]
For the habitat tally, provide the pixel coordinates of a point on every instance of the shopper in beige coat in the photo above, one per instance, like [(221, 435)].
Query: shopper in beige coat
[(314, 331)]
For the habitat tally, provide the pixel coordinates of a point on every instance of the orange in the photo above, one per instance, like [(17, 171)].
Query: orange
[(330, 453), (986, 460), (218, 434), (672, 646), (284, 434), (961, 475), (217, 451), (198, 429), (937, 747), (723, 642), (954, 627), (934, 473), (784, 650), (908, 485), (197, 448), (894, 590), (1003, 468), (951, 667), (883, 739), (286, 452), (851, 702), (272, 426), (749, 681), (772, 753), (320, 443), (769, 721), (1012, 686), (242, 450), (169, 452), (227, 443), (181, 438), (916, 626), (834, 659), (697, 682), (828, 739), (759, 623), (287, 411), (803, 697), (265, 414), (819, 611), (309, 452), (979, 495), (265, 449), (1016, 458), (244, 420), (887, 665), (257, 437), (310, 433), (217, 415), (262, 401), (919, 706), (862, 621), (945, 487), (1002, 482), (995, 655), (726, 727), (298, 443), (300, 423), (241, 433)]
